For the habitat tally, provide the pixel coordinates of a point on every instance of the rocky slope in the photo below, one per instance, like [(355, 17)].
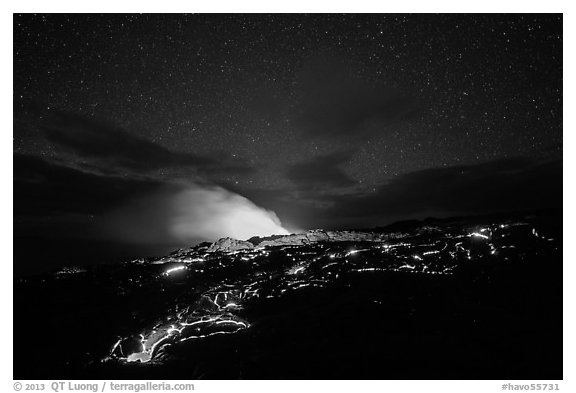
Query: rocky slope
[(453, 300), (299, 239)]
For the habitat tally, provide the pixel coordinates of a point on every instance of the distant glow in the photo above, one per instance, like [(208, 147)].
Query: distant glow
[(219, 210), (329, 264), (116, 345), (476, 234), (370, 269), (139, 356), (492, 249), (186, 214), (352, 252), (231, 321), (296, 269), (174, 269)]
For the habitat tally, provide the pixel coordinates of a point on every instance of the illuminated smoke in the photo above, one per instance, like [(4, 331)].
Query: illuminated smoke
[(191, 213), (216, 212)]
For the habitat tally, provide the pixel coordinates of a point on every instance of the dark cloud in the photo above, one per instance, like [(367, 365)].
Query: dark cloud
[(512, 184), (51, 199), (322, 171), (522, 184), (77, 217), (115, 147), (56, 209), (62, 208), (45, 188)]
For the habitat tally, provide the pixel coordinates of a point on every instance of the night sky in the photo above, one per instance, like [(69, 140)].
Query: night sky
[(330, 121)]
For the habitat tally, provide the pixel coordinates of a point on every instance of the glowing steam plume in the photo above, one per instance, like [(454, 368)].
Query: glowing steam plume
[(216, 212), (191, 213)]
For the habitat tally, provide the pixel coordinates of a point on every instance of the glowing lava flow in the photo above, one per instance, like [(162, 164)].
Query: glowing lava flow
[(156, 340), (174, 269), (231, 281)]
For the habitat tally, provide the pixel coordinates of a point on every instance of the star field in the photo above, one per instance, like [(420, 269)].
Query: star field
[(487, 86)]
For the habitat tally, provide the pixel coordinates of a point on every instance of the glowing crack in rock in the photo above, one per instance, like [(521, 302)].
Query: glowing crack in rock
[(353, 252), (174, 269), (476, 234), (218, 306), (297, 269), (183, 331), (370, 269)]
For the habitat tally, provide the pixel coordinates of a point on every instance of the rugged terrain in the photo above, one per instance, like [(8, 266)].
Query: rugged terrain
[(476, 298)]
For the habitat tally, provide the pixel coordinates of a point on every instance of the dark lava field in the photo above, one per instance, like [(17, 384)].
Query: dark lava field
[(466, 298)]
